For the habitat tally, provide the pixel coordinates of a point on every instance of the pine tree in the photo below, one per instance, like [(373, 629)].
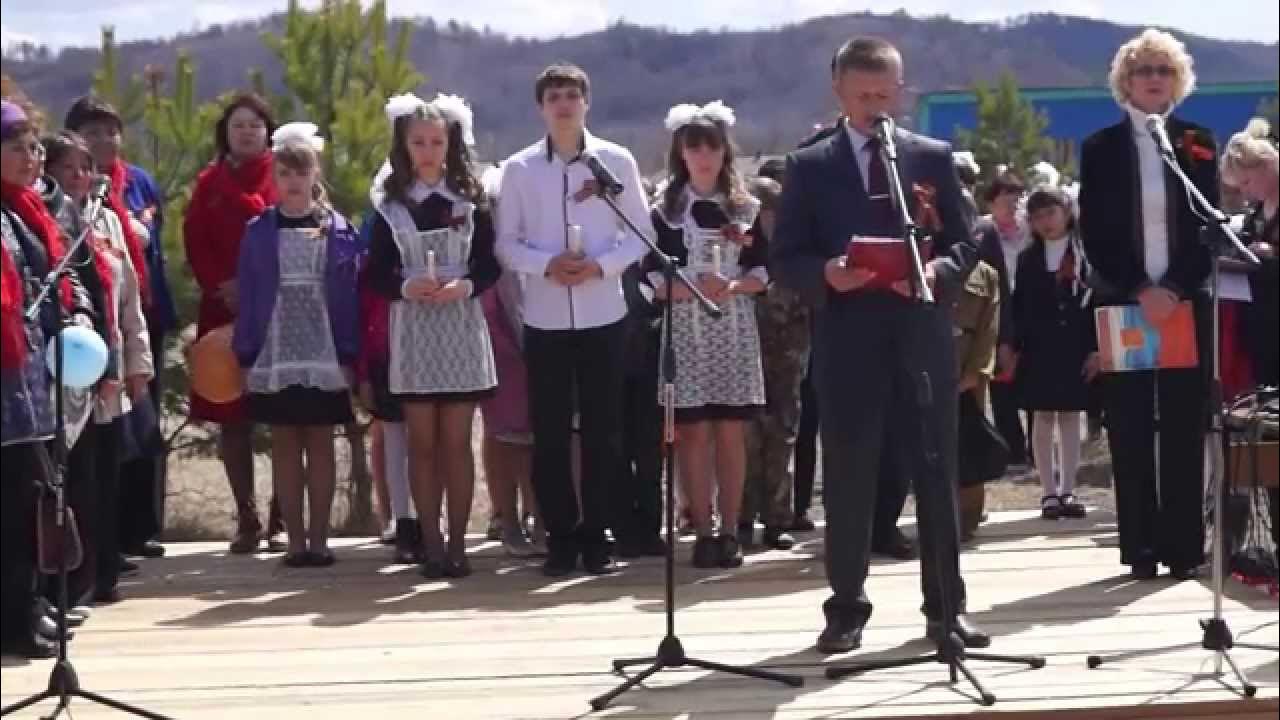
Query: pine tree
[(128, 95), (1010, 131), (339, 69)]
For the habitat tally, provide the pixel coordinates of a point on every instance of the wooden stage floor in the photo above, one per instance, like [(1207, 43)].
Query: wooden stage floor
[(204, 635)]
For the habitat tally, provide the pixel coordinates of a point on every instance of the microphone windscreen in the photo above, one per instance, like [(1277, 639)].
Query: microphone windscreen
[(708, 214)]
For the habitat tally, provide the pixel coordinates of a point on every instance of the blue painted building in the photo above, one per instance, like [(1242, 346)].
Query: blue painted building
[(1076, 113)]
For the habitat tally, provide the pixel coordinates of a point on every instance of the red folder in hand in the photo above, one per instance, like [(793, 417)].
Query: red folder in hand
[(888, 258)]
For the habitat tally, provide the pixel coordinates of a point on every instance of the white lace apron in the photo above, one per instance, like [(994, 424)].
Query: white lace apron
[(435, 348), (299, 344)]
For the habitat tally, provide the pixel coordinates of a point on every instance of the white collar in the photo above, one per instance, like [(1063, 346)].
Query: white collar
[(1138, 120), (587, 142), (420, 191), (856, 137)]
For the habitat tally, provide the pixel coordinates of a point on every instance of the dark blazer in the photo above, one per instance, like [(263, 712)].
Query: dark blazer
[(824, 203), (989, 251), (1111, 211)]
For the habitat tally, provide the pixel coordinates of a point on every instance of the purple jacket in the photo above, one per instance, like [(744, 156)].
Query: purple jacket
[(258, 277)]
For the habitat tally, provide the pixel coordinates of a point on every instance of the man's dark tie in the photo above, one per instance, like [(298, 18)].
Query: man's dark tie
[(882, 216)]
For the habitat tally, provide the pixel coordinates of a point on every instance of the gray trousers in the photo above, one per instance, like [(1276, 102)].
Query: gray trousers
[(885, 367)]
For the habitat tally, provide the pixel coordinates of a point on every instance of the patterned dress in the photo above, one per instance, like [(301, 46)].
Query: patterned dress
[(438, 352), (718, 369)]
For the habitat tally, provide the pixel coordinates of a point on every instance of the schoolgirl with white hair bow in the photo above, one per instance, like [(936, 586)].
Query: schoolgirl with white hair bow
[(705, 219), (431, 254), (297, 335)]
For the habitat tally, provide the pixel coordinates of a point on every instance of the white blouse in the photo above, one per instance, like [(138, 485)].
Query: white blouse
[(1155, 220)]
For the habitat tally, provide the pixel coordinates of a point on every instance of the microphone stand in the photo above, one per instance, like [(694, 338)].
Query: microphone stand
[(935, 514), (64, 682), (1216, 234), (671, 653)]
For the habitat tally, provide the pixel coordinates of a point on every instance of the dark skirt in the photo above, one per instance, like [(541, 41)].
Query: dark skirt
[(473, 396), (302, 406), (708, 413), (386, 406)]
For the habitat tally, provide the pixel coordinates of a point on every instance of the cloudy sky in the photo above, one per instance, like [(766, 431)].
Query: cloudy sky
[(76, 22)]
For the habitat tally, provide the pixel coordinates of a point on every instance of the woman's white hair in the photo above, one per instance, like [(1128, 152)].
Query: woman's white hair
[(1251, 148), (1158, 43)]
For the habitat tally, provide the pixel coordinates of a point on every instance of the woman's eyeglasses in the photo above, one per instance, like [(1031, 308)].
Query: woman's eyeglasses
[(1150, 71)]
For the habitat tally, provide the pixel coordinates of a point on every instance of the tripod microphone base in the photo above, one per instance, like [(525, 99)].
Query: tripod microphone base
[(64, 684), (671, 655), (1217, 639), (952, 654)]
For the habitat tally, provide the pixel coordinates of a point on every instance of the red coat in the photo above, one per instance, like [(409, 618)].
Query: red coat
[(225, 199)]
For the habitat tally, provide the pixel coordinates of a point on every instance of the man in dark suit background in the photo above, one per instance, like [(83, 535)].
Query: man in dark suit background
[(883, 362)]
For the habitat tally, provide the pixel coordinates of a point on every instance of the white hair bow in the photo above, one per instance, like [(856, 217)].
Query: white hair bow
[(401, 105), (966, 158), (297, 133), (1045, 173), (688, 113), (456, 110)]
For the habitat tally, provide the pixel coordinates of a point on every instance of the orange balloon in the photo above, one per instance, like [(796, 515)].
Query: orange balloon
[(215, 371)]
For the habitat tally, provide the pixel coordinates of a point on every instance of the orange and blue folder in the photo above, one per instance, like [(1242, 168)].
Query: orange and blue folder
[(1127, 342)]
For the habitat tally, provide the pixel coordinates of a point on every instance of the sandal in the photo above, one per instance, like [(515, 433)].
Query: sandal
[(1050, 507), (1072, 507)]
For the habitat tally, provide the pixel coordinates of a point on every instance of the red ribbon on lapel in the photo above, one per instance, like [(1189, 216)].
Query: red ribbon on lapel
[(926, 207)]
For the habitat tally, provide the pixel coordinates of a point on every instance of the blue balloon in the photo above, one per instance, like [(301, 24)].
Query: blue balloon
[(84, 357)]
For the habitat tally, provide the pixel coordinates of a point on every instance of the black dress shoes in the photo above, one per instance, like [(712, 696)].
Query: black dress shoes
[(839, 637), (146, 550), (1143, 570), (897, 546), (970, 634), (1184, 572)]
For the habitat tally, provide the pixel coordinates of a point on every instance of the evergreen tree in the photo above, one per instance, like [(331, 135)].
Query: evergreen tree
[(1009, 131), (339, 69)]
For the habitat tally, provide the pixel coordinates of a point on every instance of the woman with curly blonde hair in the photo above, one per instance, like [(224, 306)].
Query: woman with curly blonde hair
[(1142, 238)]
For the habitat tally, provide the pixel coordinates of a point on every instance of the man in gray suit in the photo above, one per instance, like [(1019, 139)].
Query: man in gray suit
[(883, 361)]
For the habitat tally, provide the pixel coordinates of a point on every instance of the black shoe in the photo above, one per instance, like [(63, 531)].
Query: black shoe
[(706, 553), (970, 634), (299, 559), (457, 569), (633, 548), (1143, 570), (47, 628), (562, 559), (802, 523), (1182, 573), (44, 608), (839, 637), (747, 535), (778, 539), (32, 647), (128, 568), (1072, 507), (1050, 507), (408, 542), (107, 597), (596, 560), (146, 550), (898, 546), (433, 569), (730, 552), (321, 558)]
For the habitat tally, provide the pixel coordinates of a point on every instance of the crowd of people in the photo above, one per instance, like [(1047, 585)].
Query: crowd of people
[(518, 293)]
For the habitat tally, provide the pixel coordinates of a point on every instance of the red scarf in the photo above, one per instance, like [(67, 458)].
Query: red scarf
[(29, 206), (119, 178), (13, 341)]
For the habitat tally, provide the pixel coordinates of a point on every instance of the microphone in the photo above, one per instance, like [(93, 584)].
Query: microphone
[(884, 128), (1155, 126), (604, 177)]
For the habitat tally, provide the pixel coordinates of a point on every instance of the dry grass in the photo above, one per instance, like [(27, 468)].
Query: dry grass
[(199, 505)]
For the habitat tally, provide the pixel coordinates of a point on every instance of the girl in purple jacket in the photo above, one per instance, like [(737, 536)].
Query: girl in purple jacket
[(297, 336)]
